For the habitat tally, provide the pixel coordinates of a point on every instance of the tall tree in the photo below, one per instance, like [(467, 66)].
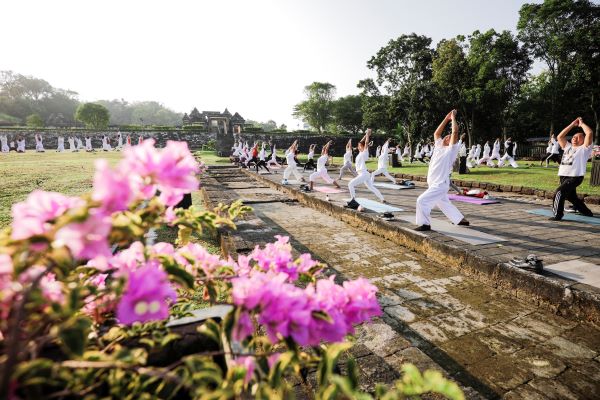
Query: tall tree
[(404, 69), (317, 109), (347, 113), (551, 31), (94, 116)]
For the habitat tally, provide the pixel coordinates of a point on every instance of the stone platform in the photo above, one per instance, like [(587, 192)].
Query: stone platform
[(437, 314), (522, 233)]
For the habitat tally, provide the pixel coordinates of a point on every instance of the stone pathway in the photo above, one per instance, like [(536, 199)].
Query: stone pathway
[(493, 344)]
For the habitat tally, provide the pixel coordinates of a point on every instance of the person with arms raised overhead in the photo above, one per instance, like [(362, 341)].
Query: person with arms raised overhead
[(438, 178), (363, 174), (572, 168)]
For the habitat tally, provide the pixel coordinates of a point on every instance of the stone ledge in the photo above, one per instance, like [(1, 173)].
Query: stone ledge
[(567, 298)]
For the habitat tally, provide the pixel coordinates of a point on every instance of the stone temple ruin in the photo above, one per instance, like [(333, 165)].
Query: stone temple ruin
[(223, 124)]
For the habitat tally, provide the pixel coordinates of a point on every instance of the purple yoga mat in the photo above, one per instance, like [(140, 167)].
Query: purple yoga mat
[(327, 189), (472, 200)]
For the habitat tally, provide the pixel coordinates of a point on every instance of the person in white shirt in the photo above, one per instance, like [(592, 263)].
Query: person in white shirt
[(363, 173), (20, 145), (61, 144), (273, 160), (119, 141), (471, 156), (347, 161), (310, 162), (378, 152), (382, 164), (572, 168), (438, 178), (106, 143), (554, 152), (495, 153), (486, 153), (548, 150), (4, 144), (406, 152), (88, 144), (72, 144), (321, 171), (79, 144), (291, 164), (39, 143), (262, 159), (510, 151)]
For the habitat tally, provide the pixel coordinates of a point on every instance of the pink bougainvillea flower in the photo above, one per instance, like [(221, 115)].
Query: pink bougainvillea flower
[(87, 239), (170, 216), (171, 170), (203, 260), (243, 328), (99, 304), (51, 289), (146, 296), (362, 304), (34, 215), (6, 265), (111, 188), (128, 260)]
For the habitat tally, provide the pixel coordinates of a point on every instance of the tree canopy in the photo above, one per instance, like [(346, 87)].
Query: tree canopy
[(94, 116)]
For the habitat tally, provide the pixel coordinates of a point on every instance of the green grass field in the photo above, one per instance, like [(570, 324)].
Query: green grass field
[(72, 174)]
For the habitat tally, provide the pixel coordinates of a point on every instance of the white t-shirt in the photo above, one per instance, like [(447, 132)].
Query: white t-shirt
[(574, 160), (554, 149), (382, 161), (321, 161), (361, 160), (348, 157), (311, 154), (290, 159), (441, 162)]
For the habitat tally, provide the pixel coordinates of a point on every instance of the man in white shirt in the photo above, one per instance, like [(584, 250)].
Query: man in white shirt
[(438, 178), (510, 151), (572, 168)]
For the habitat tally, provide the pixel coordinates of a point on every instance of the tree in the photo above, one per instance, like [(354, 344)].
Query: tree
[(94, 116), (317, 109), (397, 96), (347, 113), (35, 121), (555, 31)]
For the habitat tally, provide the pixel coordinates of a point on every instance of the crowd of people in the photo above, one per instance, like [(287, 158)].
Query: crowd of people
[(440, 155), (75, 143)]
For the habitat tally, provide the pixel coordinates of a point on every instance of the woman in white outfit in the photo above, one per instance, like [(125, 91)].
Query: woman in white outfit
[(39, 143), (438, 178), (495, 153), (291, 164), (378, 152), (486, 154), (72, 144), (382, 164), (510, 151), (347, 161), (88, 144), (4, 142), (321, 171), (79, 144), (120, 141), (61, 144), (406, 152), (106, 144), (363, 173), (20, 145), (273, 160)]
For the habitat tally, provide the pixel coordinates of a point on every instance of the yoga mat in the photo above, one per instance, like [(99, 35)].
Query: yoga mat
[(462, 233), (327, 189), (577, 270), (568, 217), (294, 182), (472, 200), (375, 205), (392, 186)]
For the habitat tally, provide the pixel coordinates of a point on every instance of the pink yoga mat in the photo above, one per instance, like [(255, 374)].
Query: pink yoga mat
[(328, 189), (472, 200)]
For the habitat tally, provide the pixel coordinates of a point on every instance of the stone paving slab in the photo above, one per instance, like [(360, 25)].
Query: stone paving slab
[(524, 233), (492, 343)]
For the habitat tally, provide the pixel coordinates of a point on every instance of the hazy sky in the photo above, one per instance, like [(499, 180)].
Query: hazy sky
[(252, 56)]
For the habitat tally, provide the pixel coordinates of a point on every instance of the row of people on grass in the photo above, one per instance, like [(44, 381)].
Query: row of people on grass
[(74, 143)]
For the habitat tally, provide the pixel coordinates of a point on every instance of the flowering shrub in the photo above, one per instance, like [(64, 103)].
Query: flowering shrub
[(90, 308)]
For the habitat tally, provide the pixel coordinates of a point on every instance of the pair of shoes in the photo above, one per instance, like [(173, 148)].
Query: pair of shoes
[(555, 219), (353, 204), (423, 228), (531, 262), (464, 222), (387, 216)]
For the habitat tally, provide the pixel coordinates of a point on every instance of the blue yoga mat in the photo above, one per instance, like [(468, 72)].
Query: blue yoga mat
[(567, 217), (375, 205)]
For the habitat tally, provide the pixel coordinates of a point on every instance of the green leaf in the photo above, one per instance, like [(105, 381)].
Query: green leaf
[(181, 275), (73, 335), (211, 329)]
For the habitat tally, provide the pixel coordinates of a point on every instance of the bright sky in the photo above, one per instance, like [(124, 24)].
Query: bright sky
[(252, 56)]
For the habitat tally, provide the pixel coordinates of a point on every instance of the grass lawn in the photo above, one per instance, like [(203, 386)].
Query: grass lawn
[(67, 173)]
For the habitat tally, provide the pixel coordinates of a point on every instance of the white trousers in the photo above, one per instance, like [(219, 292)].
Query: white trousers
[(432, 197), (511, 161), (291, 169), (347, 167), (320, 174), (363, 177), (385, 173)]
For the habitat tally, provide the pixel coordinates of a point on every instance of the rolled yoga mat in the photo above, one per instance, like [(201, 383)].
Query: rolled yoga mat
[(471, 200)]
